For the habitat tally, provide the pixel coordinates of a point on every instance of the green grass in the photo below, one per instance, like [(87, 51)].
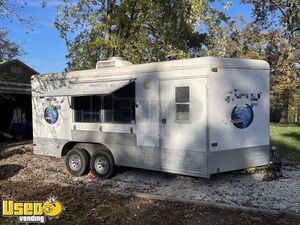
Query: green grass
[(286, 138)]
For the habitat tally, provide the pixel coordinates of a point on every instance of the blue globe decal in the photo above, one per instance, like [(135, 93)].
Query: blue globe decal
[(242, 116), (51, 115)]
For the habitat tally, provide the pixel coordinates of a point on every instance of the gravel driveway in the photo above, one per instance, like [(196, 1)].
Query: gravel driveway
[(19, 164)]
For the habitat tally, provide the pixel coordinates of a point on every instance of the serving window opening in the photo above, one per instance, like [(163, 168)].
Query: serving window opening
[(118, 107)]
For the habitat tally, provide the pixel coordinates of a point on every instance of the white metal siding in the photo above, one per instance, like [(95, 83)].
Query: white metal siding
[(238, 81)]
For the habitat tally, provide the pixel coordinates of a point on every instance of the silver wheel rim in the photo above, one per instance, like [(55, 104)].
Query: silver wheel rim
[(101, 165), (75, 162)]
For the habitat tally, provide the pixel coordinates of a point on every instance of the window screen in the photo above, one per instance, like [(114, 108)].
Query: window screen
[(182, 103), (119, 107), (182, 94), (87, 108)]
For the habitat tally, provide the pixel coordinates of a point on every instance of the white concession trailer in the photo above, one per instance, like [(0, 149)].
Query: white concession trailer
[(195, 117)]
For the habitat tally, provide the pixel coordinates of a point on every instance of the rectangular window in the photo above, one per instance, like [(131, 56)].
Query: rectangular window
[(119, 107), (87, 108), (182, 103), (16, 70)]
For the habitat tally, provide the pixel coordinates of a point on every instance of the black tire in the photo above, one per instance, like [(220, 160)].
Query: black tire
[(102, 157), (80, 156)]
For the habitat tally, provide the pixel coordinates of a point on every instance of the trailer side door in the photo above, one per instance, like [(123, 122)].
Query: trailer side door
[(183, 125)]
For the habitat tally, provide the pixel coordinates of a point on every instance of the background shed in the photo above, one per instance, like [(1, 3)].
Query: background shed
[(15, 93)]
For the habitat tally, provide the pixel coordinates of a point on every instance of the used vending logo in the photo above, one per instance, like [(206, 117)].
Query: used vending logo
[(32, 211)]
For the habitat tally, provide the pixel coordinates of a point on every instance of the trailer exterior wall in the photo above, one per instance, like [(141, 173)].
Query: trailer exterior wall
[(238, 146), (140, 144)]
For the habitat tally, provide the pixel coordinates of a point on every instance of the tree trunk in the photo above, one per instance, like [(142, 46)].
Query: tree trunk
[(110, 6), (285, 109), (297, 106), (297, 113)]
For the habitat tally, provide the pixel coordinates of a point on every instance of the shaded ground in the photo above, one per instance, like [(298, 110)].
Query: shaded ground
[(24, 176), (85, 206), (286, 138), (257, 189)]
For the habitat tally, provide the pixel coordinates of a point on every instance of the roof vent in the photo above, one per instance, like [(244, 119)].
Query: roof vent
[(112, 62)]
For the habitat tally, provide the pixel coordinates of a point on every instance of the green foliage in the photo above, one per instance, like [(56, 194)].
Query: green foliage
[(287, 140), (274, 36), (138, 30), (277, 23), (8, 49), (9, 11), (277, 14)]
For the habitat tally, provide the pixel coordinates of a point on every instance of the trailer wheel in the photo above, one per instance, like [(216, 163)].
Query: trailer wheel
[(77, 161), (102, 164)]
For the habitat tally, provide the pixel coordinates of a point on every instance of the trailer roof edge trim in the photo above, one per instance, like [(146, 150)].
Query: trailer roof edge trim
[(201, 62), (84, 89)]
